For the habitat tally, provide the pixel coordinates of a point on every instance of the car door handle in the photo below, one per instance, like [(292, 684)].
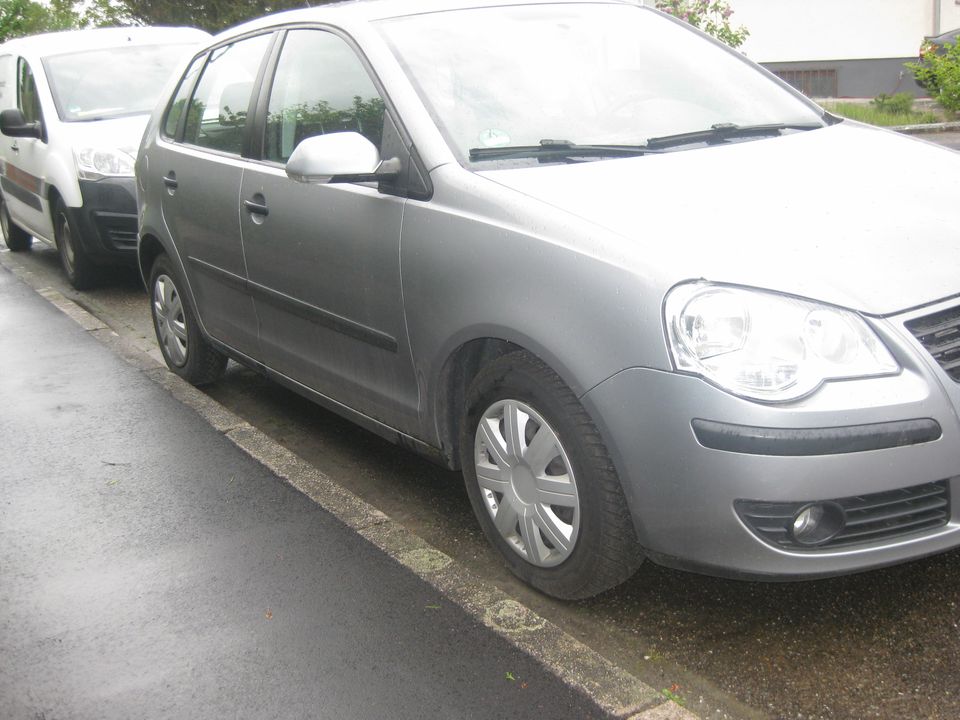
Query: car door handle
[(170, 180), (15, 148), (256, 208)]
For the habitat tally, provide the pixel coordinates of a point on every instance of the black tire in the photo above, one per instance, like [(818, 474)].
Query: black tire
[(77, 266), (16, 238), (200, 363), (606, 551)]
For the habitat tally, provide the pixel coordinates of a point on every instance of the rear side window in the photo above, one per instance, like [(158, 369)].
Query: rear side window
[(217, 114), (27, 99), (320, 86), (175, 111)]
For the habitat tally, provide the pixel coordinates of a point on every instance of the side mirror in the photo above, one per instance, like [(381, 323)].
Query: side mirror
[(339, 157), (12, 124)]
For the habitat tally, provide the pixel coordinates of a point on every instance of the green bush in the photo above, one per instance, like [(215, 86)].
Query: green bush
[(899, 104), (939, 73)]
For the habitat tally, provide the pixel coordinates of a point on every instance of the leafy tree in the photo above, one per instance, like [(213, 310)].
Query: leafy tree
[(711, 16), (105, 13), (211, 15), (28, 17), (938, 72)]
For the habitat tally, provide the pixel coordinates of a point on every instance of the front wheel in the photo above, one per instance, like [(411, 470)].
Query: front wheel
[(185, 350), (16, 238), (79, 269), (541, 482)]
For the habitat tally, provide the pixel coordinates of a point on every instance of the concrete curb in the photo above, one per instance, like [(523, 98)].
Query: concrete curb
[(614, 690), (928, 128)]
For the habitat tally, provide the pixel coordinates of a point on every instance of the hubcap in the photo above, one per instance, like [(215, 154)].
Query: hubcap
[(169, 319), (4, 221), (66, 243), (526, 483)]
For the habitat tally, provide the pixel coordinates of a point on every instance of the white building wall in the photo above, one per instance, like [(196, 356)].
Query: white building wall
[(806, 30), (949, 15)]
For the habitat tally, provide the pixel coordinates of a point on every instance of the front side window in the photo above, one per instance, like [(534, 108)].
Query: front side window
[(217, 115), (110, 82), (27, 98), (320, 87)]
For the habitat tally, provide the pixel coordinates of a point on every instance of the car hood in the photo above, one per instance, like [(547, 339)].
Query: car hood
[(123, 133), (847, 214)]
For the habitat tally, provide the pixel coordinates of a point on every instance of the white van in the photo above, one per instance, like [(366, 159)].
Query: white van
[(73, 107)]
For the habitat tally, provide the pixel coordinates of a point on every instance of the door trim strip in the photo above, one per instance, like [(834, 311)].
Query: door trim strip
[(318, 316)]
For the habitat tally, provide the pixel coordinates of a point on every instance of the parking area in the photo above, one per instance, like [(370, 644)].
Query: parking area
[(883, 644), (149, 567), (692, 336)]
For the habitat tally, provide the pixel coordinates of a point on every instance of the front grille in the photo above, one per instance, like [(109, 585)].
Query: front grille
[(877, 516), (940, 335)]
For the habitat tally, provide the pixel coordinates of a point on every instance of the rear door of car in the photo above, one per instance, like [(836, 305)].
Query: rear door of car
[(323, 259), (200, 160)]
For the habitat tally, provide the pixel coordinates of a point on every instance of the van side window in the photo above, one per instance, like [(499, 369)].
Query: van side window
[(27, 99), (8, 95), (217, 115), (175, 111), (320, 87)]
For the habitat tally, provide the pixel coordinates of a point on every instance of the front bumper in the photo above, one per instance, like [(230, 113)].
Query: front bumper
[(683, 495), (107, 220)]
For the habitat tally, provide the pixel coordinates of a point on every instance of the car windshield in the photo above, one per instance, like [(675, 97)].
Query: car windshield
[(112, 82), (528, 84)]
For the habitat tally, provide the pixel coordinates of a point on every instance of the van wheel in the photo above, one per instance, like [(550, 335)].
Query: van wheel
[(185, 350), (16, 238), (79, 269), (541, 482)]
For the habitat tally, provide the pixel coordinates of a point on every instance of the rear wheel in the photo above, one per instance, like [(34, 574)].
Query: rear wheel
[(79, 269), (185, 350), (16, 238), (541, 482)]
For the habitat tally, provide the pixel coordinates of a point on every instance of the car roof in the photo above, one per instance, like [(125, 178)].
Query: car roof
[(370, 10), (58, 43)]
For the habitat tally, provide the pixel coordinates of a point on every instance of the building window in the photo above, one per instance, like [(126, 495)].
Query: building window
[(812, 83)]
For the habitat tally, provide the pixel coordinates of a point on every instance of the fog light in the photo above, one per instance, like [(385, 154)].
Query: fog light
[(817, 523)]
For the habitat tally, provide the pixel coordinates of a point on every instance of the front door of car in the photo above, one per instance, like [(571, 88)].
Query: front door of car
[(201, 168), (24, 187), (323, 260)]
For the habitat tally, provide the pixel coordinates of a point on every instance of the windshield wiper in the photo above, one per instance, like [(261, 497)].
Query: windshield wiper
[(723, 131), (558, 150)]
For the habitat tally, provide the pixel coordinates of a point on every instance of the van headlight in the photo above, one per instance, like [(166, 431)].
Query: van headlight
[(96, 163), (766, 346)]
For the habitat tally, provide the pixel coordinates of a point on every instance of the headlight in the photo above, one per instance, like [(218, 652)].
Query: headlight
[(95, 163), (767, 346)]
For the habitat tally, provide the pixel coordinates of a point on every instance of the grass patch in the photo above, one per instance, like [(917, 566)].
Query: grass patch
[(672, 695), (875, 116)]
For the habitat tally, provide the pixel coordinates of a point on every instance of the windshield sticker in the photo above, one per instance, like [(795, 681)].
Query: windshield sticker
[(494, 138)]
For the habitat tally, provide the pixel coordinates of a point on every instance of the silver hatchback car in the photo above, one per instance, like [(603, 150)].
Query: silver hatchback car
[(653, 302)]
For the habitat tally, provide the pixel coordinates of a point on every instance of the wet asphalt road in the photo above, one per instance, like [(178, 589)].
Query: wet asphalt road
[(948, 139), (885, 644), (151, 569)]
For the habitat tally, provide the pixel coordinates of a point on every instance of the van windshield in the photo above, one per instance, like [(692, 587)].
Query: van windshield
[(111, 82)]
